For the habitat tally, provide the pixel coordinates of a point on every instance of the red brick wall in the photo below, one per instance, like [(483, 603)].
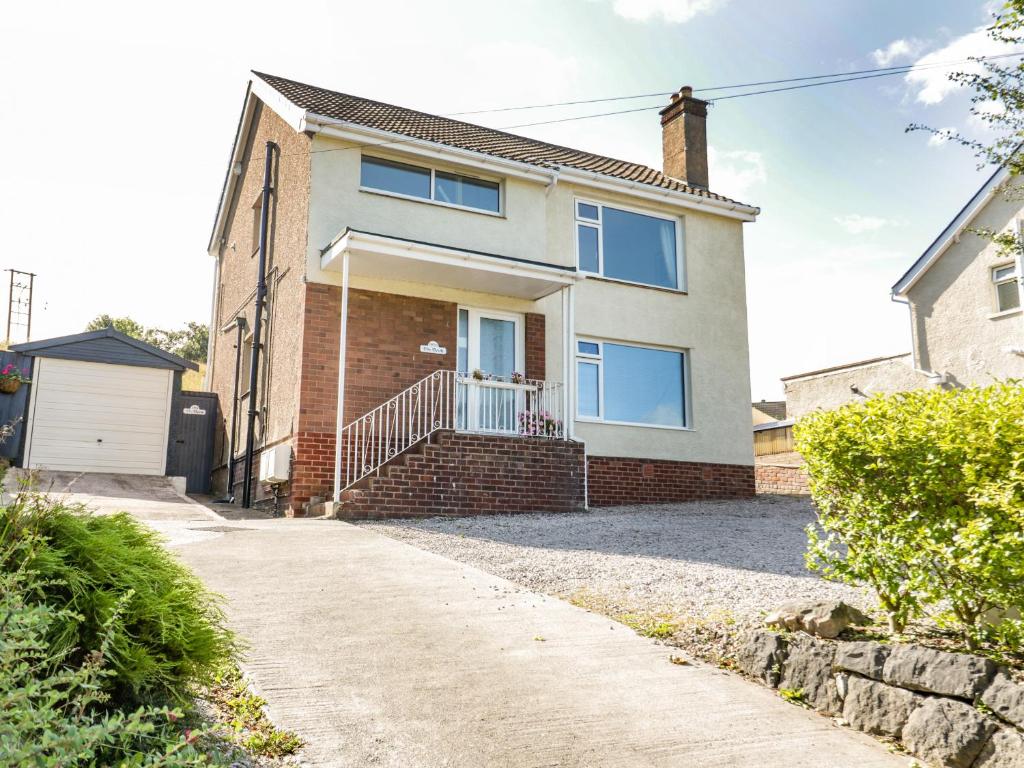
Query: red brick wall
[(618, 481), (463, 474), (786, 480), (385, 332), (536, 354)]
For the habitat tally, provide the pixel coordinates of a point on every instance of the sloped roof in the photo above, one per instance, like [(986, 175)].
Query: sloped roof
[(475, 138), (105, 346), (949, 234)]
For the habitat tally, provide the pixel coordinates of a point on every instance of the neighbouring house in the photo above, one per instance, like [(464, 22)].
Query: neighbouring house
[(964, 299), (457, 320), (768, 410)]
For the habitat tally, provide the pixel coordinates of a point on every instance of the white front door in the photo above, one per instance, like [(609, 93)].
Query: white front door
[(491, 343)]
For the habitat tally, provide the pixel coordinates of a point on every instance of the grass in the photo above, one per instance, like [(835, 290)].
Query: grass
[(193, 380), (711, 638), (794, 696), (240, 712)]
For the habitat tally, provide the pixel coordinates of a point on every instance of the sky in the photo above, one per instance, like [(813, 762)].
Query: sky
[(116, 121)]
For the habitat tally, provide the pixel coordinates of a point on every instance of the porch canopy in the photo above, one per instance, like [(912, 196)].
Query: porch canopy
[(394, 258)]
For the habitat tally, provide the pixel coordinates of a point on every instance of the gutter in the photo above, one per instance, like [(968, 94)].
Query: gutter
[(341, 129)]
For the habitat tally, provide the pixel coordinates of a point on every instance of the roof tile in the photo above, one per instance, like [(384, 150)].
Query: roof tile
[(475, 138)]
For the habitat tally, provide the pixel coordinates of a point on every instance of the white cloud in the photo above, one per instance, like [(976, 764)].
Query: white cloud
[(977, 120), (672, 11), (904, 48), (735, 173), (940, 137), (856, 224), (933, 85)]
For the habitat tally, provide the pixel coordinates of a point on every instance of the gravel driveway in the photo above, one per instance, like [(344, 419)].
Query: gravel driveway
[(714, 565)]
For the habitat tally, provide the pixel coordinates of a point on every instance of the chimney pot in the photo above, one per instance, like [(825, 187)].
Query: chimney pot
[(684, 139)]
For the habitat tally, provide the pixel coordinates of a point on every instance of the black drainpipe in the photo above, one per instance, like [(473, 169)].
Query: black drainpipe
[(240, 324), (257, 327)]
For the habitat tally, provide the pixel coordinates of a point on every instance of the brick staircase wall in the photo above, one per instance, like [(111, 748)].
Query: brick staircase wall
[(463, 474), (621, 481)]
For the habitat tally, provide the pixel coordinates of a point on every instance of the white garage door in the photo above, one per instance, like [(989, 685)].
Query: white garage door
[(97, 417)]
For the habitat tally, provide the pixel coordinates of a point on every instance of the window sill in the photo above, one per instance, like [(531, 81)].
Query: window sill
[(427, 201), (603, 279), (1005, 313), (590, 420)]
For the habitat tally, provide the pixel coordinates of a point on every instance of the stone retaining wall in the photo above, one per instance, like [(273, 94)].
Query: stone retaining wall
[(948, 709), (781, 479)]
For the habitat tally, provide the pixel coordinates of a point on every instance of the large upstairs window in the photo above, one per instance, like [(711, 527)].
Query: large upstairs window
[(443, 187), (627, 245)]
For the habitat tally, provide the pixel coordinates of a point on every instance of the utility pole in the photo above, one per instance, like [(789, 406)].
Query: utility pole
[(19, 304)]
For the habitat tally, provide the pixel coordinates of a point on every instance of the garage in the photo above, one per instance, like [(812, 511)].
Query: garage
[(100, 402)]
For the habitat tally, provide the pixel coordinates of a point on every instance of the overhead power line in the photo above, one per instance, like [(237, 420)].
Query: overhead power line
[(801, 82), (887, 72), (878, 71)]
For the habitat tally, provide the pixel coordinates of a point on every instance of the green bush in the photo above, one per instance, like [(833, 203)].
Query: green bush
[(55, 715), (921, 496), (170, 636)]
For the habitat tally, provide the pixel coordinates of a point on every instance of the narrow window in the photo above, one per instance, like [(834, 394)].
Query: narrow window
[(630, 384), (462, 354), (428, 184), (626, 245), (1007, 289)]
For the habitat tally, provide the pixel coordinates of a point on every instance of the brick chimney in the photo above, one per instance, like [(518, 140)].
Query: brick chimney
[(684, 138)]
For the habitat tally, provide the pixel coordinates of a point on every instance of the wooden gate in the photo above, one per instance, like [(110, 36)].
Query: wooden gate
[(190, 440)]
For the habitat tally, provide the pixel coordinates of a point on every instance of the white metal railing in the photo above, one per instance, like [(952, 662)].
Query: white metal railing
[(449, 400)]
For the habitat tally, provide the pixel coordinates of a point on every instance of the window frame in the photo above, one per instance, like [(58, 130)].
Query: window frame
[(432, 200), (578, 221), (598, 359), (1014, 278)]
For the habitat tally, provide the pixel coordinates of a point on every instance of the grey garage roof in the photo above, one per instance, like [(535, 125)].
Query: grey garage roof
[(105, 346)]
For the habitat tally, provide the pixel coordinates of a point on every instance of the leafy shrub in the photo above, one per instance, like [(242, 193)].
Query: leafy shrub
[(921, 496), (55, 715), (170, 635)]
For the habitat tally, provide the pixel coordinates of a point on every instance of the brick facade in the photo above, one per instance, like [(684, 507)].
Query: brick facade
[(462, 474), (618, 481), (385, 332), (782, 479), (536, 350)]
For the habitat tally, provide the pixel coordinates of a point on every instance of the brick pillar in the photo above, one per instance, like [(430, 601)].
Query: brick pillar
[(535, 351)]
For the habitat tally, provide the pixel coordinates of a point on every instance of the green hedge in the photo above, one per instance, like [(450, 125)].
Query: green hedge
[(169, 637), (921, 496)]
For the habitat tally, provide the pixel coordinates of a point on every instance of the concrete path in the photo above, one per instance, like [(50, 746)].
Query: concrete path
[(380, 654)]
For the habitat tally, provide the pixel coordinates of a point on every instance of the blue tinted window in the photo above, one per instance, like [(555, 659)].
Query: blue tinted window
[(463, 190), (644, 386), (587, 211), (395, 177), (588, 347), (588, 248), (639, 248), (588, 388)]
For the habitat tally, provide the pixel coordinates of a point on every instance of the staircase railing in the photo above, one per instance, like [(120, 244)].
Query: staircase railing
[(448, 400)]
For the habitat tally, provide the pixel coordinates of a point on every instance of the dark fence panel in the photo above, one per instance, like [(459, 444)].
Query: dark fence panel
[(190, 439), (15, 406)]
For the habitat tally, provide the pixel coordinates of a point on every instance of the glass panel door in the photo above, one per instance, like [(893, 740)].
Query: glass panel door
[(487, 399)]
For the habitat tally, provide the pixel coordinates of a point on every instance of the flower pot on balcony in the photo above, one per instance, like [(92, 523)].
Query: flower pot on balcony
[(9, 385)]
